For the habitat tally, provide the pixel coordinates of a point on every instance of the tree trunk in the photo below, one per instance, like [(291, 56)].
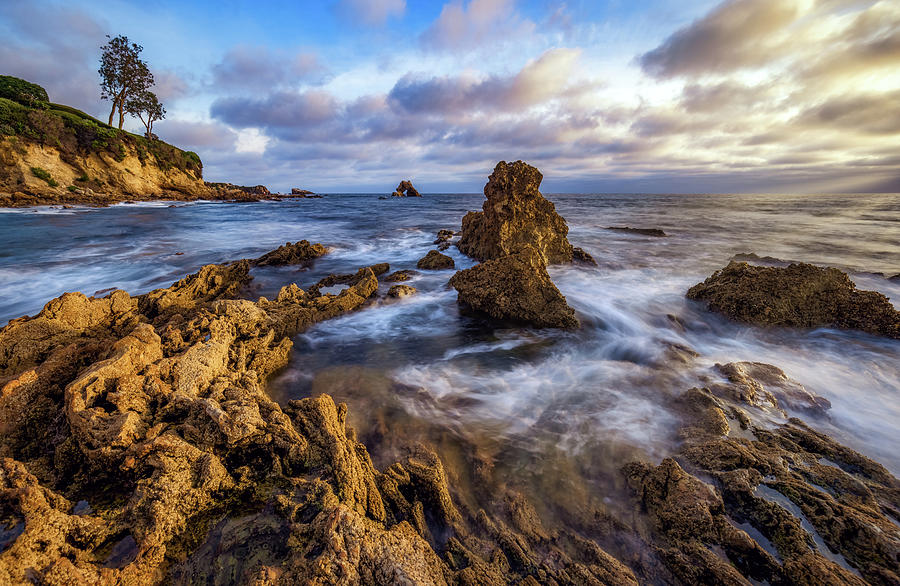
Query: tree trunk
[(121, 116), (113, 111)]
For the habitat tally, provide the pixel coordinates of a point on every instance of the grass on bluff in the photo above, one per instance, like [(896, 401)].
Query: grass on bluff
[(76, 133), (44, 174)]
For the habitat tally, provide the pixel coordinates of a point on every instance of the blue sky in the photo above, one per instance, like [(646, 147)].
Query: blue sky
[(354, 95)]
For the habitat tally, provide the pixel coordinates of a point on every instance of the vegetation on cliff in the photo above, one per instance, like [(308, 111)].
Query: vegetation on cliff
[(76, 134)]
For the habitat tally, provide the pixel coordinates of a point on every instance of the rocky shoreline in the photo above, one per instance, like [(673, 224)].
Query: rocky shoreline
[(139, 446), (87, 197)]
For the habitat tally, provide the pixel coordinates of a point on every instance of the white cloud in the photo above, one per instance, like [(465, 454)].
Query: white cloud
[(251, 140)]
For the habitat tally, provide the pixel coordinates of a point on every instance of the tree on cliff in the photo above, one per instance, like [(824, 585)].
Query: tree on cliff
[(122, 74), (146, 107)]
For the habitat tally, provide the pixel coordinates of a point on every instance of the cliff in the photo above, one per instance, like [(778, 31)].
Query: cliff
[(52, 153)]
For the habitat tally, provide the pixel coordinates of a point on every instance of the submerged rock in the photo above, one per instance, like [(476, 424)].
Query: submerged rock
[(443, 239), (656, 232), (515, 216), (400, 291), (434, 260), (291, 254), (402, 275), (580, 255), (515, 287), (799, 295)]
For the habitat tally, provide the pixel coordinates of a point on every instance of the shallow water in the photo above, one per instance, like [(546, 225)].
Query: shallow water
[(544, 406)]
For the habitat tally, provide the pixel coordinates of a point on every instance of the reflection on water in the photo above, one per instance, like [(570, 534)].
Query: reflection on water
[(543, 407)]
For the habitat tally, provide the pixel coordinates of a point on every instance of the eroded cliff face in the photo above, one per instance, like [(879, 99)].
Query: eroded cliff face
[(82, 177)]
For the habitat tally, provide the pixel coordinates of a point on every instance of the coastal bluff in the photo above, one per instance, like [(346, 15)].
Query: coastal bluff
[(56, 154)]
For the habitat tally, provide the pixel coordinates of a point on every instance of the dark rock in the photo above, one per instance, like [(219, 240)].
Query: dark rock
[(515, 216), (800, 295), (642, 231), (444, 236), (757, 383), (894, 278), (291, 254), (434, 260), (300, 192), (380, 268), (399, 291), (515, 287), (579, 255), (398, 276)]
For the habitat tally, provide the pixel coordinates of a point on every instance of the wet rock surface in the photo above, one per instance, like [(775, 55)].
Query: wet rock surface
[(400, 291), (401, 275), (782, 504), (799, 295), (515, 287), (291, 254), (515, 215), (434, 261)]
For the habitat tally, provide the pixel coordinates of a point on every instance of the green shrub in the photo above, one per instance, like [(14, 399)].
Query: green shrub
[(83, 178), (13, 118), (48, 127), (45, 175), (72, 188), (60, 108), (22, 91)]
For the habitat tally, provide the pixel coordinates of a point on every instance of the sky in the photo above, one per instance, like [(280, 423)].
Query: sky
[(656, 96)]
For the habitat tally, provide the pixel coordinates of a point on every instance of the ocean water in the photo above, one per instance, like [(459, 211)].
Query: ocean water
[(553, 410)]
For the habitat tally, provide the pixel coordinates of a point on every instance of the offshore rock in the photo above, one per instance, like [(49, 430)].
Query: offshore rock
[(291, 254), (515, 216), (435, 261), (515, 287), (406, 189), (799, 295), (656, 232)]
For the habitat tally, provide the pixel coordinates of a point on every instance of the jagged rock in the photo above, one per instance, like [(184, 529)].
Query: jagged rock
[(515, 287), (400, 291), (380, 268), (29, 340), (762, 476), (291, 254), (296, 191), (406, 189), (210, 283), (579, 255), (756, 381), (800, 295), (398, 276), (444, 236), (642, 231), (434, 261), (515, 216)]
